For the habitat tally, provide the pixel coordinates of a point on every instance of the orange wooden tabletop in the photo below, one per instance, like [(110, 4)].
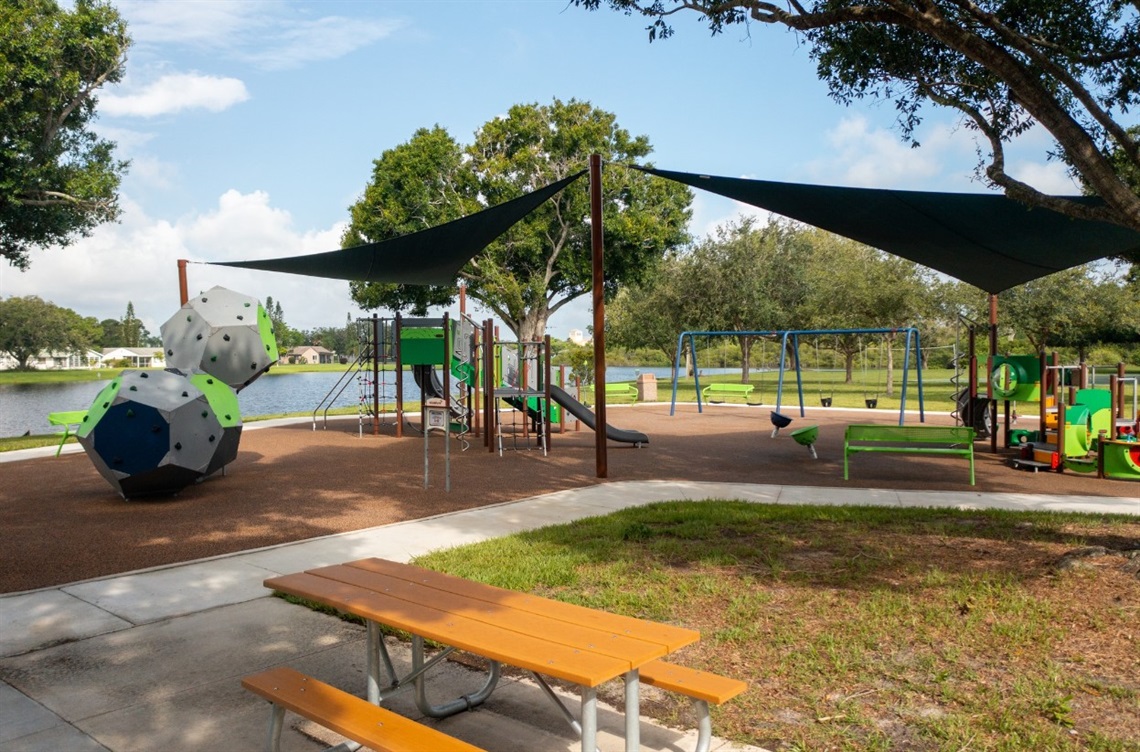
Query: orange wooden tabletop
[(569, 642)]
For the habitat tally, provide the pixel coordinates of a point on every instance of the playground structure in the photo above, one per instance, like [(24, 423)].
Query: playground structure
[(1082, 428), (151, 433), (789, 350), (466, 366)]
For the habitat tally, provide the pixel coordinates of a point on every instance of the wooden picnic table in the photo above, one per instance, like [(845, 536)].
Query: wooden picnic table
[(550, 638)]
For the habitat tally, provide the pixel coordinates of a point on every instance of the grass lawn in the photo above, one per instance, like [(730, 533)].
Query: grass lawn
[(937, 389), (861, 628)]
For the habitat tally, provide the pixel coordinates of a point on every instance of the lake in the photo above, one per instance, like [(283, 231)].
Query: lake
[(25, 407)]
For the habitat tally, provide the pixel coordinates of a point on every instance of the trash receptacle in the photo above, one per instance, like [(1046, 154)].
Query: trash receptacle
[(646, 387)]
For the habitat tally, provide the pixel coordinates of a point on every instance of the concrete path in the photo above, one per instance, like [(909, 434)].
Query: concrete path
[(152, 659)]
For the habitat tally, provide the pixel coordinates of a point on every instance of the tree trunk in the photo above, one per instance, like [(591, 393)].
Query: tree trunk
[(848, 367), (890, 340), (745, 354)]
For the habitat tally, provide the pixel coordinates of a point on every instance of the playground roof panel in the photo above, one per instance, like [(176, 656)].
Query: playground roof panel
[(986, 240), (429, 257)]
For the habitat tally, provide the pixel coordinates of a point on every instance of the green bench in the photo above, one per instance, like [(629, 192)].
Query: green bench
[(952, 440), (620, 390), (67, 419), (712, 392)]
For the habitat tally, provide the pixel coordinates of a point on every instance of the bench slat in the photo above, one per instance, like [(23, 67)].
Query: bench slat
[(347, 715), (691, 682)]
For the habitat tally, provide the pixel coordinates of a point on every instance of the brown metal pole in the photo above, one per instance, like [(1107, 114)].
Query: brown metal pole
[(397, 334), (546, 389), (183, 288), (599, 316), (992, 407), (490, 418), (375, 375)]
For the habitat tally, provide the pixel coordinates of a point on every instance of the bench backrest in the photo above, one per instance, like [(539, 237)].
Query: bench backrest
[(912, 434)]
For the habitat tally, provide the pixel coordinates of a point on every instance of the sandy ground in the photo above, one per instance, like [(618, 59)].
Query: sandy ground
[(63, 522)]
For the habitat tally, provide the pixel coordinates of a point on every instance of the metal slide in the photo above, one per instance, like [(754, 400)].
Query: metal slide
[(584, 414)]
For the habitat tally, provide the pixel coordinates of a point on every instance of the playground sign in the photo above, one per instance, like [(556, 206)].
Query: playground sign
[(436, 418)]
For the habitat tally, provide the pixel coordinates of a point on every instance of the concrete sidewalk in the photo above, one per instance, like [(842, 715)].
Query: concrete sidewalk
[(152, 659)]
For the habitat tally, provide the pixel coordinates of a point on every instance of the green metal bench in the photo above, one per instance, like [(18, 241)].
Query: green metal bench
[(67, 419), (721, 390), (620, 390), (952, 440)]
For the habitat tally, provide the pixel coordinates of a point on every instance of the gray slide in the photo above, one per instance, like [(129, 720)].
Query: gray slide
[(584, 414)]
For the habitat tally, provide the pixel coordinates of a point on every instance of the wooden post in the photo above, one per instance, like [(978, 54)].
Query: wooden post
[(596, 244)]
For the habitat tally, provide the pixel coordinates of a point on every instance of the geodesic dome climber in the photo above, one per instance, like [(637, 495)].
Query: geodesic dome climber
[(156, 432), (226, 334)]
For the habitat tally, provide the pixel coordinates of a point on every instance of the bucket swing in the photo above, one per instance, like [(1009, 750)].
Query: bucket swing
[(872, 402), (823, 401), (806, 437)]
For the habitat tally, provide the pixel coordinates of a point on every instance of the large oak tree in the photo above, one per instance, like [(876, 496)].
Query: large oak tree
[(544, 261), (1071, 67), (58, 179)]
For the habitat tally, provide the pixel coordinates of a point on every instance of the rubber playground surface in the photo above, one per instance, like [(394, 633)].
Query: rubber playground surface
[(64, 523)]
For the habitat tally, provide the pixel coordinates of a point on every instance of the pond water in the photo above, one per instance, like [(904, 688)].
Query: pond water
[(25, 407)]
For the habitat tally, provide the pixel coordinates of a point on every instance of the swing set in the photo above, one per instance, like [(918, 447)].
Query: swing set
[(789, 351)]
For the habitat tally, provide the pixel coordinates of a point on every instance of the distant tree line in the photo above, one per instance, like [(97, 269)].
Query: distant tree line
[(30, 325), (751, 276)]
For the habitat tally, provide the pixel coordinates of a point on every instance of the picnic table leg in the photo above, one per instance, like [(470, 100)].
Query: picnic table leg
[(464, 702), (632, 711), (377, 651), (276, 722), (589, 719)]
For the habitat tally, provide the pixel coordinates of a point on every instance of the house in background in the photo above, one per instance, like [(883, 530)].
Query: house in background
[(138, 357), (309, 355), (55, 361)]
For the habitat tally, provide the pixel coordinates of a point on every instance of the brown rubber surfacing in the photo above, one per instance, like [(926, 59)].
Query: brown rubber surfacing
[(62, 522)]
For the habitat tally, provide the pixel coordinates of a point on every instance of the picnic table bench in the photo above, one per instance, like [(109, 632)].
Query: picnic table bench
[(952, 440), (726, 389), (549, 638)]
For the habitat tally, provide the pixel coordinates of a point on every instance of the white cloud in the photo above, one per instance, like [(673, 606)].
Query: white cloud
[(136, 261), (294, 44), (174, 93), (1052, 178), (867, 157), (271, 35)]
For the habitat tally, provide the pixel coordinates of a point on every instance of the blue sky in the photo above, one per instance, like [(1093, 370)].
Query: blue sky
[(252, 125)]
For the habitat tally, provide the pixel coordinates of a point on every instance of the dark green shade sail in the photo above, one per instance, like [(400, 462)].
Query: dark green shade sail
[(989, 241), (429, 257)]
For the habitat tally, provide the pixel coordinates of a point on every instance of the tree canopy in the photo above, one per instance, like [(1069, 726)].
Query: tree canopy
[(58, 179), (1072, 68), (30, 325), (544, 261)]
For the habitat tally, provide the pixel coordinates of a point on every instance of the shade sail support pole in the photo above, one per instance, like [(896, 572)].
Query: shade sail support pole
[(596, 245)]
